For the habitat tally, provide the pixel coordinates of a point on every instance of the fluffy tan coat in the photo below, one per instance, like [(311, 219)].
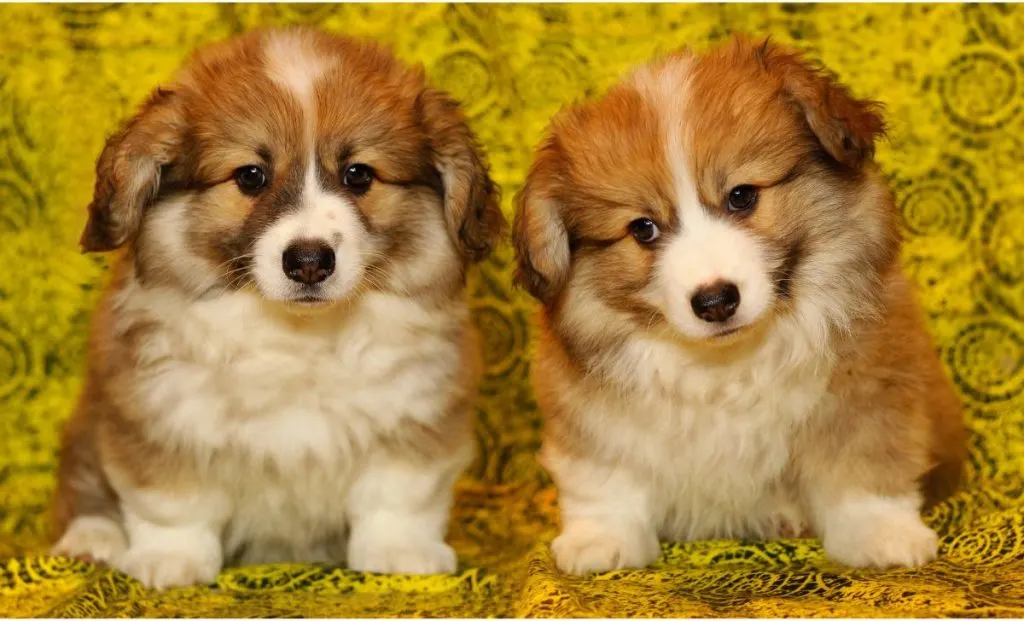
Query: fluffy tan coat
[(813, 405), (237, 409)]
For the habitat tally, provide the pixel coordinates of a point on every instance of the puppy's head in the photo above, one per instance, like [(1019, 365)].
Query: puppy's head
[(706, 194), (306, 166)]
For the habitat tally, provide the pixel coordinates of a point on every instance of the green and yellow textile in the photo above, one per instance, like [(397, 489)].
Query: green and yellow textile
[(952, 77)]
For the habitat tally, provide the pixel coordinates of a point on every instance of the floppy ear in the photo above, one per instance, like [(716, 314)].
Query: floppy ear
[(846, 126), (539, 233), (471, 200), (128, 172)]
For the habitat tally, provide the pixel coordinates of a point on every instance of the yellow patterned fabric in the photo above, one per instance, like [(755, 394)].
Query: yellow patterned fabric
[(952, 77)]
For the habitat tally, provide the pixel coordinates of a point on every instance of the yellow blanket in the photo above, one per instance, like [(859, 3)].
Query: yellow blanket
[(953, 79)]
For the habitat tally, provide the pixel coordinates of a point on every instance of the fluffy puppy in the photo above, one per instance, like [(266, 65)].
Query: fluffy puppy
[(283, 366), (727, 345)]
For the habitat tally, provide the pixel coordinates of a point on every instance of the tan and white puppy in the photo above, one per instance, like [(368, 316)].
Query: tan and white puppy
[(727, 346), (284, 365)]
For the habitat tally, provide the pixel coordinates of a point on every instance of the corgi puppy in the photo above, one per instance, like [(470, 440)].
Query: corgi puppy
[(727, 345), (283, 367)]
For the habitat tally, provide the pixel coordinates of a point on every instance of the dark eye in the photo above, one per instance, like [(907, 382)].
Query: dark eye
[(358, 177), (644, 230), (250, 179), (742, 198)]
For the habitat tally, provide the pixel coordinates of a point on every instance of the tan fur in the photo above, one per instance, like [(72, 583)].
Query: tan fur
[(165, 190), (840, 356)]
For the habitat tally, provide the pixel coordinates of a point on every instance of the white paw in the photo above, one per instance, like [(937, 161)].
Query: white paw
[(882, 539), (420, 558), (586, 547), (92, 539), (164, 569)]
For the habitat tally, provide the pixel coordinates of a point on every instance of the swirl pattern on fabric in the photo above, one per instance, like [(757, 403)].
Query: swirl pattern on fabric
[(952, 77)]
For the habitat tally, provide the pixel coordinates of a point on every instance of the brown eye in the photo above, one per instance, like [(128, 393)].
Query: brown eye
[(358, 178), (644, 230), (250, 179), (742, 198)]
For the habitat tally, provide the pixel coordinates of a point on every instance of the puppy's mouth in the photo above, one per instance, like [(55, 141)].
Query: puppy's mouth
[(738, 333), (727, 332), (306, 305), (311, 300)]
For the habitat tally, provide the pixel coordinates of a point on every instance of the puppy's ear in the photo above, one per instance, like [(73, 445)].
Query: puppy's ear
[(471, 199), (128, 172), (846, 126), (539, 232)]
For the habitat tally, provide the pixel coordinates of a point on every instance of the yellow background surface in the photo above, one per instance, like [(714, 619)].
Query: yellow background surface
[(952, 77)]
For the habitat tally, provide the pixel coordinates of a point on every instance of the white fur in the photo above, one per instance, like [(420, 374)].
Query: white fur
[(697, 442), (587, 546), (100, 538), (700, 444), (599, 535), (701, 440), (169, 547), (399, 513), (164, 233), (321, 216), (283, 415), (328, 217), (707, 248), (293, 63), (290, 427), (875, 531)]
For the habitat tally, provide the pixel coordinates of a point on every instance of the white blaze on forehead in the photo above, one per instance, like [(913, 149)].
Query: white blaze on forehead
[(666, 87), (705, 248), (292, 62)]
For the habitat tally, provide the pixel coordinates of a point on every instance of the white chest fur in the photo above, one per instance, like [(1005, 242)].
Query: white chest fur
[(712, 439), (276, 409)]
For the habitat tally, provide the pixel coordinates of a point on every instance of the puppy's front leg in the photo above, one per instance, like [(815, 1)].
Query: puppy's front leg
[(173, 536), (860, 480), (607, 522), (864, 529), (399, 510)]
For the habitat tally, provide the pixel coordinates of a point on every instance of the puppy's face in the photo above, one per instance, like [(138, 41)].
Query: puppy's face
[(707, 193), (305, 166)]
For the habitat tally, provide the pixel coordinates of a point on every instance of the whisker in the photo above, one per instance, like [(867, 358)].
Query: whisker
[(650, 321), (233, 259)]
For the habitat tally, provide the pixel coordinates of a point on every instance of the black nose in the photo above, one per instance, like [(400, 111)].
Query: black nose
[(716, 302), (308, 261)]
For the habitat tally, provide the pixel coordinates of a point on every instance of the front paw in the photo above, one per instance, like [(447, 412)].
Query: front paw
[(881, 537), (587, 547), (165, 569), (420, 558), (92, 539)]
